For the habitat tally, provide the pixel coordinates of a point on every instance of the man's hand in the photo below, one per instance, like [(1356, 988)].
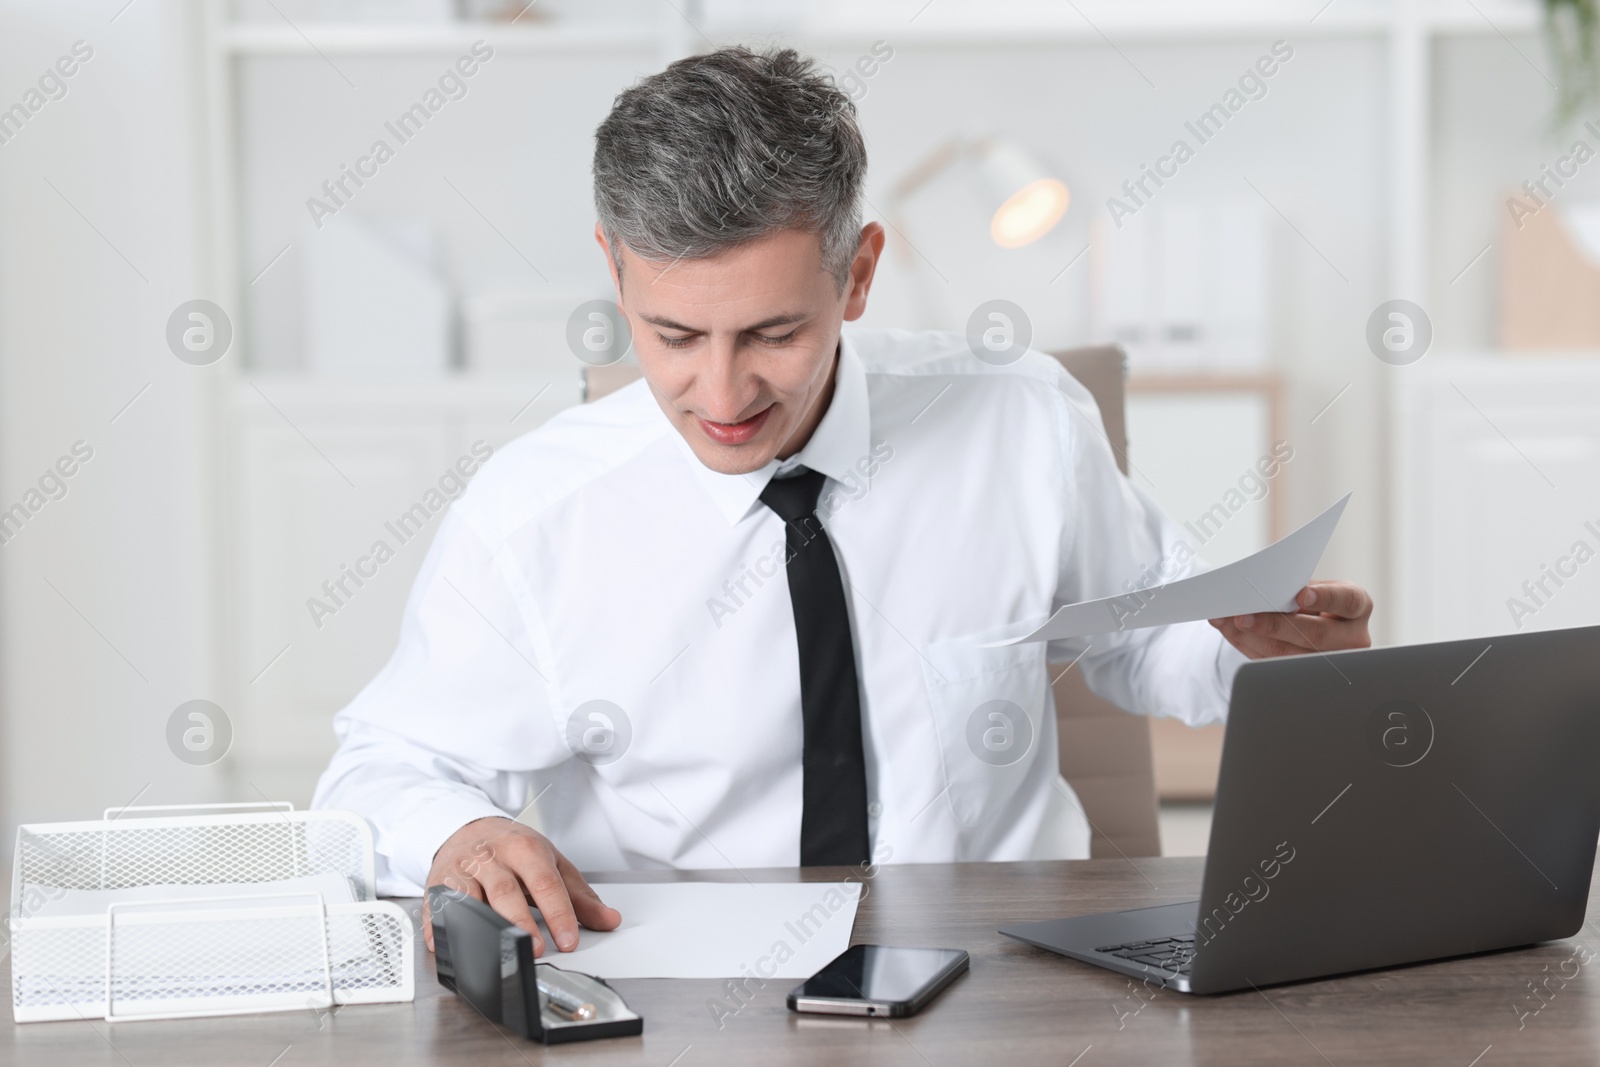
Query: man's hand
[(1332, 615), (508, 865)]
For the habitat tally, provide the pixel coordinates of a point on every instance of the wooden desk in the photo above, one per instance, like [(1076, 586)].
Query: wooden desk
[(1017, 1006)]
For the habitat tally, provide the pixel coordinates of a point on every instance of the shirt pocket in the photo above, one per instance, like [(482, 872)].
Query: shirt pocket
[(988, 707)]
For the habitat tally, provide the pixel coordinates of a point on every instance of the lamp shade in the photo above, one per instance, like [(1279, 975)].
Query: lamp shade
[(1029, 200)]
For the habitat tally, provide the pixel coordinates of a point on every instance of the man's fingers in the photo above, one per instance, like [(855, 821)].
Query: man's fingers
[(1323, 633), (516, 870), (1346, 600), (1310, 632), (504, 892), (550, 897), (535, 862), (1265, 623), (1295, 629), (1255, 645), (461, 883), (590, 909)]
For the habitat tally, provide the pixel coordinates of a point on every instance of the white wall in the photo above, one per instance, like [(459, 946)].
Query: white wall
[(85, 291), (141, 546), (517, 149), (1492, 132), (1315, 145)]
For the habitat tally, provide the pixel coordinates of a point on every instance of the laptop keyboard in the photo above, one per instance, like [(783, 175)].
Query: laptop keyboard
[(1170, 955)]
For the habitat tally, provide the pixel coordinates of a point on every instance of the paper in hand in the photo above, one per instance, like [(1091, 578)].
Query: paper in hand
[(1267, 581)]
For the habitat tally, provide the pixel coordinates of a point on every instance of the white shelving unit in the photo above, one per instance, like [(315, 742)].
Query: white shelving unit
[(1483, 437), (1410, 33), (314, 467), (361, 39), (323, 471), (1409, 27)]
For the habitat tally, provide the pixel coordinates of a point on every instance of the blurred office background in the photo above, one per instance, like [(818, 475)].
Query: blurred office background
[(383, 324)]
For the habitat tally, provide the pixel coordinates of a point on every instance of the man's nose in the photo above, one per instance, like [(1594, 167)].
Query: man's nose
[(726, 389)]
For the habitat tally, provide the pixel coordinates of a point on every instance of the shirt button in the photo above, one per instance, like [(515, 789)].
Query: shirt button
[(874, 809)]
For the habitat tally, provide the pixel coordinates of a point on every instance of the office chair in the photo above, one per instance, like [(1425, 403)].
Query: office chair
[(1104, 751)]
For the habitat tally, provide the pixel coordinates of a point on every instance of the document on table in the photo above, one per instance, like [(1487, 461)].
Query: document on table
[(188, 940), (53, 901), (715, 930), (1266, 581)]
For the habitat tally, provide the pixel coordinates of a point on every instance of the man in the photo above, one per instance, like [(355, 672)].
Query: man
[(736, 614)]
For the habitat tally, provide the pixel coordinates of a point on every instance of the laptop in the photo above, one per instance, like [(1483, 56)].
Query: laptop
[(1380, 807)]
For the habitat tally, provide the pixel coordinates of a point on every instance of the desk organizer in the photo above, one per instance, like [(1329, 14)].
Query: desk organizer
[(144, 916)]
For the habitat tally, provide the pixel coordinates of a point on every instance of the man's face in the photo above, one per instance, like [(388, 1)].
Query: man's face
[(739, 348)]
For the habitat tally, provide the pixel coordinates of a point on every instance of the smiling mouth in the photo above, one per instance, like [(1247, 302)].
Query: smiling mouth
[(734, 433)]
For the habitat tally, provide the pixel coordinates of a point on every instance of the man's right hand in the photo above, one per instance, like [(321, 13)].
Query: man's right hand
[(509, 865)]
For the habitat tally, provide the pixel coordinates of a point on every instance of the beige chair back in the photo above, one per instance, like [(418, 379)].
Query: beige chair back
[(598, 381), (1105, 752)]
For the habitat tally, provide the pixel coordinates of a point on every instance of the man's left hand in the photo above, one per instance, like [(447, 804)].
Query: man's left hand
[(1331, 616)]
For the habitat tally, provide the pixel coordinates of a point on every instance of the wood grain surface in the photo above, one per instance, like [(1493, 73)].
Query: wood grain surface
[(1018, 1005)]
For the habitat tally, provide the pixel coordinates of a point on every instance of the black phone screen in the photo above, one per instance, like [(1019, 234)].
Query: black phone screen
[(882, 974)]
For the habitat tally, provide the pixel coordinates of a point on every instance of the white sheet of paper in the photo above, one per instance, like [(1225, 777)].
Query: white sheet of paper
[(216, 956), (1266, 581), (334, 889), (779, 930)]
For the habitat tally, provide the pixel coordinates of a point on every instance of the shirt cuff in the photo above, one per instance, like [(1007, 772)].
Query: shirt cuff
[(429, 815)]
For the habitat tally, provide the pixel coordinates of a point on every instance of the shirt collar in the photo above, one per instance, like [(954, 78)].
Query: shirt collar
[(842, 437)]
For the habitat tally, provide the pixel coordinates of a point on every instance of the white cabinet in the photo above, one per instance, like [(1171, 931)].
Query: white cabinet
[(1497, 483), (321, 474), (1197, 446)]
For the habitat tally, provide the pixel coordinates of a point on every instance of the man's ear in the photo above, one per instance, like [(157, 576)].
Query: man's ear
[(611, 261), (862, 269)]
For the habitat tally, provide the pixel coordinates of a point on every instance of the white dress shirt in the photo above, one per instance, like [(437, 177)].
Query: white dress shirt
[(596, 559)]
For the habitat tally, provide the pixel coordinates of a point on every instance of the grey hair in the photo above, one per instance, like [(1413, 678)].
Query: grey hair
[(721, 149)]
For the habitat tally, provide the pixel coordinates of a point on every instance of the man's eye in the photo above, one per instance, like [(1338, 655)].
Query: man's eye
[(776, 341), (674, 342)]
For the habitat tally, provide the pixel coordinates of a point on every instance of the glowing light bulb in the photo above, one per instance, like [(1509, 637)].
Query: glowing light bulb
[(1029, 213)]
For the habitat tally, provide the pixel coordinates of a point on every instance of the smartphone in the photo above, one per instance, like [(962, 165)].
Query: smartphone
[(879, 980)]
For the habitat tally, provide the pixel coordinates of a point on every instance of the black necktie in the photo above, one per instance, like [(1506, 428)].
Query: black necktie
[(833, 821)]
